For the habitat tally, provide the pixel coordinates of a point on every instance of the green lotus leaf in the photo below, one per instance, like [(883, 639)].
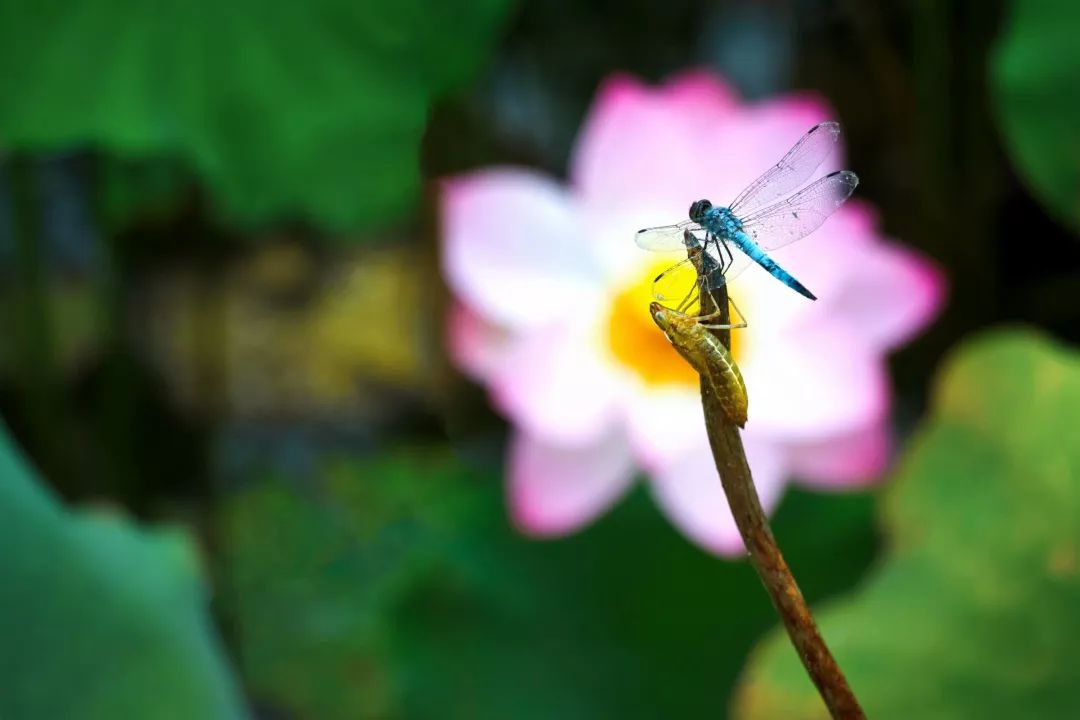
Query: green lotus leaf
[(312, 110), (100, 620), (973, 612), (1035, 70)]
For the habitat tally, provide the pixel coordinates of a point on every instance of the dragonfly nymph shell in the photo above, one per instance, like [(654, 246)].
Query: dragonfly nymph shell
[(708, 356)]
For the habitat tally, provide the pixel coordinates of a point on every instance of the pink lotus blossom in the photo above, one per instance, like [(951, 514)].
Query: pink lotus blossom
[(552, 315)]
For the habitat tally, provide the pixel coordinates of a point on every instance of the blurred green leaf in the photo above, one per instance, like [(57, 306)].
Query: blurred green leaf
[(974, 612), (99, 619), (308, 109), (313, 577), (397, 589), (1035, 71), (130, 190)]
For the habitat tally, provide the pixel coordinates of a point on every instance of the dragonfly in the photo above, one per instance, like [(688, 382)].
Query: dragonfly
[(766, 216)]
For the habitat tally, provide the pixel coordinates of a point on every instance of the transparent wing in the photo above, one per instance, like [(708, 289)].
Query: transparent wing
[(677, 282), (732, 269), (802, 213), (666, 237), (793, 170), (678, 288), (677, 285)]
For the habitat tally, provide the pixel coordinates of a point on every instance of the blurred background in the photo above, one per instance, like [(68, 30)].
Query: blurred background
[(244, 476)]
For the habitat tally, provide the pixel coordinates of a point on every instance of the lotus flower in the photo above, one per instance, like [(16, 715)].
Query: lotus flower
[(551, 315)]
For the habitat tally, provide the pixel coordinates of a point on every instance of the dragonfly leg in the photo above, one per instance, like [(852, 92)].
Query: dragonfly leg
[(688, 299), (730, 258), (714, 270), (703, 320)]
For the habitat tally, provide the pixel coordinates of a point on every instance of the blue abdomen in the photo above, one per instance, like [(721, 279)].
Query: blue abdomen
[(723, 224), (754, 251)]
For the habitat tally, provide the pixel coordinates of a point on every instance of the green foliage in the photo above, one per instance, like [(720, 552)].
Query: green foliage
[(309, 109), (1035, 72), (973, 613), (132, 190), (99, 619), (396, 589)]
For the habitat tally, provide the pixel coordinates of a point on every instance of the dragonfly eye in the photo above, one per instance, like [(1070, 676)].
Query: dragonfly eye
[(698, 210)]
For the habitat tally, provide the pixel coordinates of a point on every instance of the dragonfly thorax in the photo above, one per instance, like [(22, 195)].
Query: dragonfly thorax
[(721, 221)]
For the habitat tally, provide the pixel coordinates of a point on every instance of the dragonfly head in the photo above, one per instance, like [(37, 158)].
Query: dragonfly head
[(698, 210)]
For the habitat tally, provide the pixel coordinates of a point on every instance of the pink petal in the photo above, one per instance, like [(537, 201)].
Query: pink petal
[(885, 292), (636, 135), (638, 161), (748, 143), (690, 494), (701, 92), (555, 384), (814, 381), (475, 345), (513, 249), (856, 458), (555, 490), (894, 295), (777, 123)]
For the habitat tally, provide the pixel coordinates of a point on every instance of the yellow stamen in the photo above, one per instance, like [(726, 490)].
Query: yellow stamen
[(635, 340)]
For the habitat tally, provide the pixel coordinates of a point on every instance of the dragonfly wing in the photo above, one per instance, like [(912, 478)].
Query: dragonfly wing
[(676, 284), (719, 266), (680, 281), (732, 269), (665, 238), (792, 171), (802, 213)]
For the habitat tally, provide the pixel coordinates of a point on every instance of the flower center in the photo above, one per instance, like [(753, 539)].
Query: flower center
[(639, 344)]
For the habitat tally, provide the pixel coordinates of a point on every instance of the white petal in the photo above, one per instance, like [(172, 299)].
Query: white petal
[(513, 247), (813, 382), (556, 385), (691, 495), (663, 422), (556, 490)]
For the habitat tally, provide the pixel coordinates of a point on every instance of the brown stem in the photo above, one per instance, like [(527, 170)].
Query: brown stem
[(765, 555)]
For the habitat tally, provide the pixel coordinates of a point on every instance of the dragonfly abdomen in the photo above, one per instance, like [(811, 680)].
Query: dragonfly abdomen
[(755, 253)]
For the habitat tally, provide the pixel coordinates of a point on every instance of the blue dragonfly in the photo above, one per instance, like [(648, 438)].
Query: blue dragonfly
[(759, 219)]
